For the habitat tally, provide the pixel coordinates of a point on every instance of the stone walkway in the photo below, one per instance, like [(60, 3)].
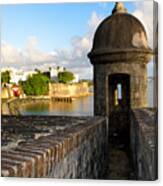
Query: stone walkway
[(119, 163), (119, 167)]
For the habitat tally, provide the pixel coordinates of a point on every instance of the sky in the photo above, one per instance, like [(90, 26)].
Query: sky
[(50, 35)]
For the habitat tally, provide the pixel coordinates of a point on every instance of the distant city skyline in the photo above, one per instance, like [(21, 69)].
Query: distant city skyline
[(47, 35)]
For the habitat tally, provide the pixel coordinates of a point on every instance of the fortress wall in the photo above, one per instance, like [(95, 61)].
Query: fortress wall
[(144, 143), (53, 147), (6, 92), (68, 90)]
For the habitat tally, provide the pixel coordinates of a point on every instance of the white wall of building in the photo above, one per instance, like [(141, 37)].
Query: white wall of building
[(17, 75)]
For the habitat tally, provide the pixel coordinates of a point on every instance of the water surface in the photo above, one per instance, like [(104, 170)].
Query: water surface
[(78, 107)]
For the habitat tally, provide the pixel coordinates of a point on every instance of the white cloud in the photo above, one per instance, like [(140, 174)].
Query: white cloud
[(33, 54), (10, 55), (94, 21), (75, 58), (144, 12), (81, 46), (32, 42)]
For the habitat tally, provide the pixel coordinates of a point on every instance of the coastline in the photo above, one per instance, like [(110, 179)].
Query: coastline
[(12, 106)]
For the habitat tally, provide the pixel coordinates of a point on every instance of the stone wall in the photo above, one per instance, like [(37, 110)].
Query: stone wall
[(54, 147), (10, 106), (68, 90), (143, 139), (6, 92), (13, 105), (138, 84)]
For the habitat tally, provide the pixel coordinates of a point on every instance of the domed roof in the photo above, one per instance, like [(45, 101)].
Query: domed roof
[(119, 32)]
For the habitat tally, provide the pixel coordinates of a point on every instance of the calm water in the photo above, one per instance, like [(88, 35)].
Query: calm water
[(78, 107)]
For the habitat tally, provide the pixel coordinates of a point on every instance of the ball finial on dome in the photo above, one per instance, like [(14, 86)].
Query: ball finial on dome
[(119, 8)]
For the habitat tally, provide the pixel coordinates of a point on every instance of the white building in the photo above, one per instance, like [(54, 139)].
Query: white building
[(76, 78), (4, 69), (18, 75), (54, 74)]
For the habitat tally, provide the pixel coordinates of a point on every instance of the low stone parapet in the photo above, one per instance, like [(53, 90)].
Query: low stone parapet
[(144, 143), (53, 146)]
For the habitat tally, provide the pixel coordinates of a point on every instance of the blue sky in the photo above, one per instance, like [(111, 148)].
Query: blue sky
[(53, 24), (47, 35)]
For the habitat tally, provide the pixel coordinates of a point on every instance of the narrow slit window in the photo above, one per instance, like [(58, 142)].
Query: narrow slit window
[(119, 90)]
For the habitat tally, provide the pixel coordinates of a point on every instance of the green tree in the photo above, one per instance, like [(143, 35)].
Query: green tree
[(65, 77), (37, 84), (5, 76)]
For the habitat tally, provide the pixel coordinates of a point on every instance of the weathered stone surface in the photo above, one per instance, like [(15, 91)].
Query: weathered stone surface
[(138, 84), (66, 147), (144, 143), (120, 33), (52, 146), (119, 55), (60, 90), (120, 46)]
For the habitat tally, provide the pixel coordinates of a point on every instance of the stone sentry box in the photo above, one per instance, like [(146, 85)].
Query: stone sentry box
[(119, 55)]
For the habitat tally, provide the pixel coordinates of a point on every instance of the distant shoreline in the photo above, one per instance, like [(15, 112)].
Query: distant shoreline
[(12, 106)]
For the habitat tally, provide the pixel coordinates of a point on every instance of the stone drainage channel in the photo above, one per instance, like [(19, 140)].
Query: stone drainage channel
[(120, 166), (119, 161)]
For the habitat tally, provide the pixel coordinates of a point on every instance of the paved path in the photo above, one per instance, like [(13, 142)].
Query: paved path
[(119, 167), (119, 163)]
